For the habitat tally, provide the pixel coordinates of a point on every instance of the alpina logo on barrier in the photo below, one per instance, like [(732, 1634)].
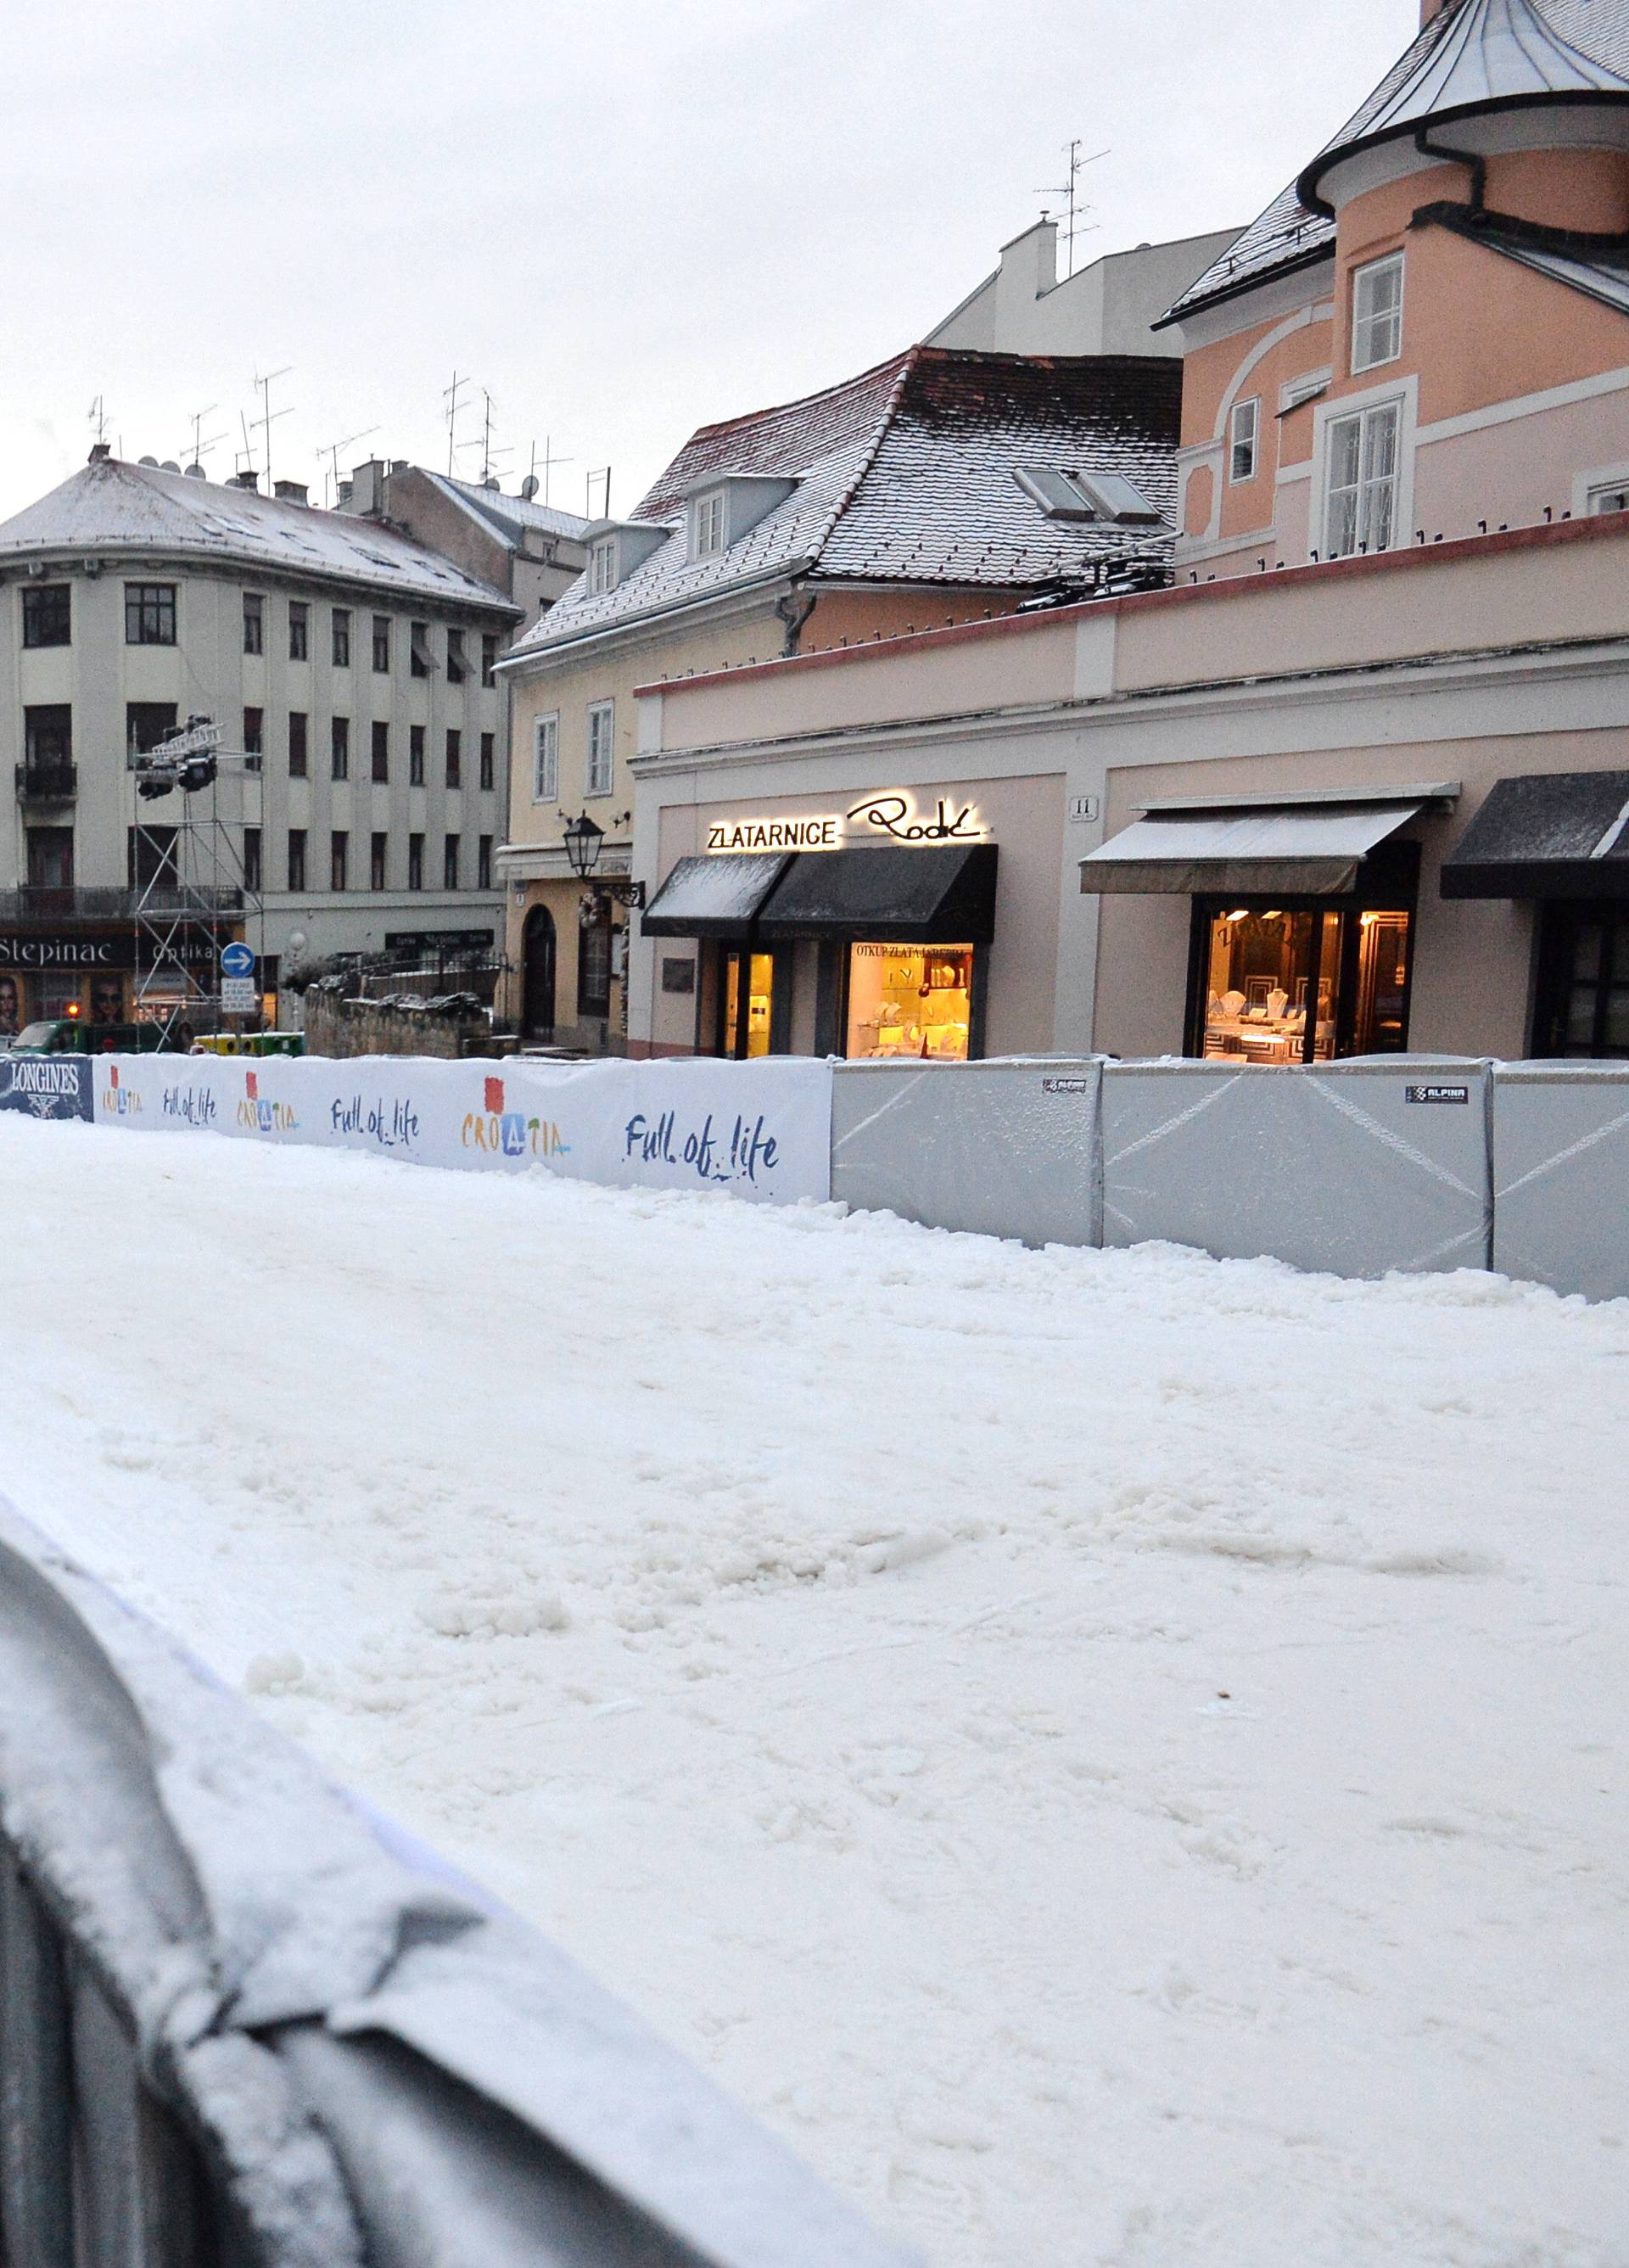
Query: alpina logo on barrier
[(509, 1133), (261, 1115)]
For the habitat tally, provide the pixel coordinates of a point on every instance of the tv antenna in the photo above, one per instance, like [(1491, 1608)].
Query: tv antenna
[(545, 463), (604, 474), (1076, 224), (488, 453), (330, 450), (269, 416), (200, 447), (449, 394), (99, 421)]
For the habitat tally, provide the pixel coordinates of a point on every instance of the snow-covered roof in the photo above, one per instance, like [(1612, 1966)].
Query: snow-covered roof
[(110, 507), (905, 474), (1474, 56), (508, 516)]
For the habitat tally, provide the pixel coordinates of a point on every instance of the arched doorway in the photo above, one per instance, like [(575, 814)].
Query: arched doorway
[(537, 963)]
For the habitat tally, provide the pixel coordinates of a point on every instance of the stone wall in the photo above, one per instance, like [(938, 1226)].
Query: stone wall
[(335, 1026)]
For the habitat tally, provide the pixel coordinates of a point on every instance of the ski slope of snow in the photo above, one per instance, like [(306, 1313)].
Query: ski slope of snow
[(1116, 1757)]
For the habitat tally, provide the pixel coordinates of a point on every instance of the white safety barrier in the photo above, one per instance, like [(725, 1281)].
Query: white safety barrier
[(1008, 1147), (1561, 1176), (244, 2026), (1357, 1167), (761, 1130)]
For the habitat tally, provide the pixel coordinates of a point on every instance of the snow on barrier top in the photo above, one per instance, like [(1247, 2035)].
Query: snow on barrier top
[(371, 2060)]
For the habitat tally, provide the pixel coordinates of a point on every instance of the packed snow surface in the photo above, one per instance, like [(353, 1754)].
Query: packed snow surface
[(1116, 1757)]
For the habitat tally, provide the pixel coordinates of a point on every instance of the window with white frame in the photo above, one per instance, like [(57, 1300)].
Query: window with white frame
[(1244, 440), (602, 565), (1377, 312), (1362, 455), (707, 526), (1614, 496), (546, 759), (602, 722)]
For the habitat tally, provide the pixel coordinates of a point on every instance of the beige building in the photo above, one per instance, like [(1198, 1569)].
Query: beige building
[(857, 515), (1295, 806)]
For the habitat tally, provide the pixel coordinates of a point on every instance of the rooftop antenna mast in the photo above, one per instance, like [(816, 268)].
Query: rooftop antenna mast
[(489, 453), (604, 474), (99, 421), (545, 461), (200, 447), (1077, 224), (243, 457), (269, 416), (449, 394), (330, 450)]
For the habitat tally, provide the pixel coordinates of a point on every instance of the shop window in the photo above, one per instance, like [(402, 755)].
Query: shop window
[(910, 1000), (756, 1037), (593, 967), (1362, 498), (1289, 984), (47, 618), (1377, 314), (1582, 1006)]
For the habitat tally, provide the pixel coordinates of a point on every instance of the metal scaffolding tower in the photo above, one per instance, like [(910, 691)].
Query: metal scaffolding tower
[(192, 883)]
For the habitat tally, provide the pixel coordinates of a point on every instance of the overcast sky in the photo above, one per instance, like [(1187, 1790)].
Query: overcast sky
[(623, 218)]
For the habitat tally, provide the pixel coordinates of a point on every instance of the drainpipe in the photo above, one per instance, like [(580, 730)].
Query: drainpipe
[(794, 610), (1478, 165)]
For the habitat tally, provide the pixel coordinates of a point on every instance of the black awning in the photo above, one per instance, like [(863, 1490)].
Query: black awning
[(718, 896), (1545, 835), (943, 893)]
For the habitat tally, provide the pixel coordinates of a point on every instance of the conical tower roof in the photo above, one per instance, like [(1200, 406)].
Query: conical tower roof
[(1475, 55), (1481, 55)]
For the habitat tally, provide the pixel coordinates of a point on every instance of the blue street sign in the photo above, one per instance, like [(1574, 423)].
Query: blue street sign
[(237, 961)]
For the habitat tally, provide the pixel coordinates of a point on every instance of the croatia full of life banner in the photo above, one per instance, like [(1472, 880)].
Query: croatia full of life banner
[(760, 1131)]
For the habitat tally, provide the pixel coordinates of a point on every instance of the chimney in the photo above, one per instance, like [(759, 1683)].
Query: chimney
[(245, 480), (289, 491), (100, 450), (367, 487)]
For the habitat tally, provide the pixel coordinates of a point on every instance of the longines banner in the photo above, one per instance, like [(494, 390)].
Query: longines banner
[(761, 1130), (47, 1087)]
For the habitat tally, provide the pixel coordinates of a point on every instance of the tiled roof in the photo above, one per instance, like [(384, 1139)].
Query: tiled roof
[(110, 507), (510, 514), (1473, 53), (905, 475)]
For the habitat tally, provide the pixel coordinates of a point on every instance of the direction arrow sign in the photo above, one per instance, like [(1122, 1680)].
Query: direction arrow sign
[(237, 961)]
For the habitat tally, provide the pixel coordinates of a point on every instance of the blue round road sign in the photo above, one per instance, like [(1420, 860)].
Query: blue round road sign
[(237, 961)]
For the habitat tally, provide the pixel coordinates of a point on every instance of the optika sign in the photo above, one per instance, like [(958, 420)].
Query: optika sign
[(892, 817), (509, 1133)]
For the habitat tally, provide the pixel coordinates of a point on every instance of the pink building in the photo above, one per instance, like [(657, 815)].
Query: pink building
[(1359, 780)]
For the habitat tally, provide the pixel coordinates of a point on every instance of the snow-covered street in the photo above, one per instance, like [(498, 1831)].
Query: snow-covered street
[(1116, 1757)]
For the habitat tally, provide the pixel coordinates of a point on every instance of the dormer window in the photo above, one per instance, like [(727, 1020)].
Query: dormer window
[(1377, 312), (602, 566), (707, 526), (1094, 499)]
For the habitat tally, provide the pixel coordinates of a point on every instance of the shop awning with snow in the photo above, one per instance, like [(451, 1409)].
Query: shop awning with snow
[(941, 893), (714, 897), (1308, 845), (1545, 835)]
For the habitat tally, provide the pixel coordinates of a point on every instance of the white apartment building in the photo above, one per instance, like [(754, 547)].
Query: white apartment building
[(353, 666)]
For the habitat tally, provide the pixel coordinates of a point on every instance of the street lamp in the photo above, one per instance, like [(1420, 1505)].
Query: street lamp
[(584, 840)]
